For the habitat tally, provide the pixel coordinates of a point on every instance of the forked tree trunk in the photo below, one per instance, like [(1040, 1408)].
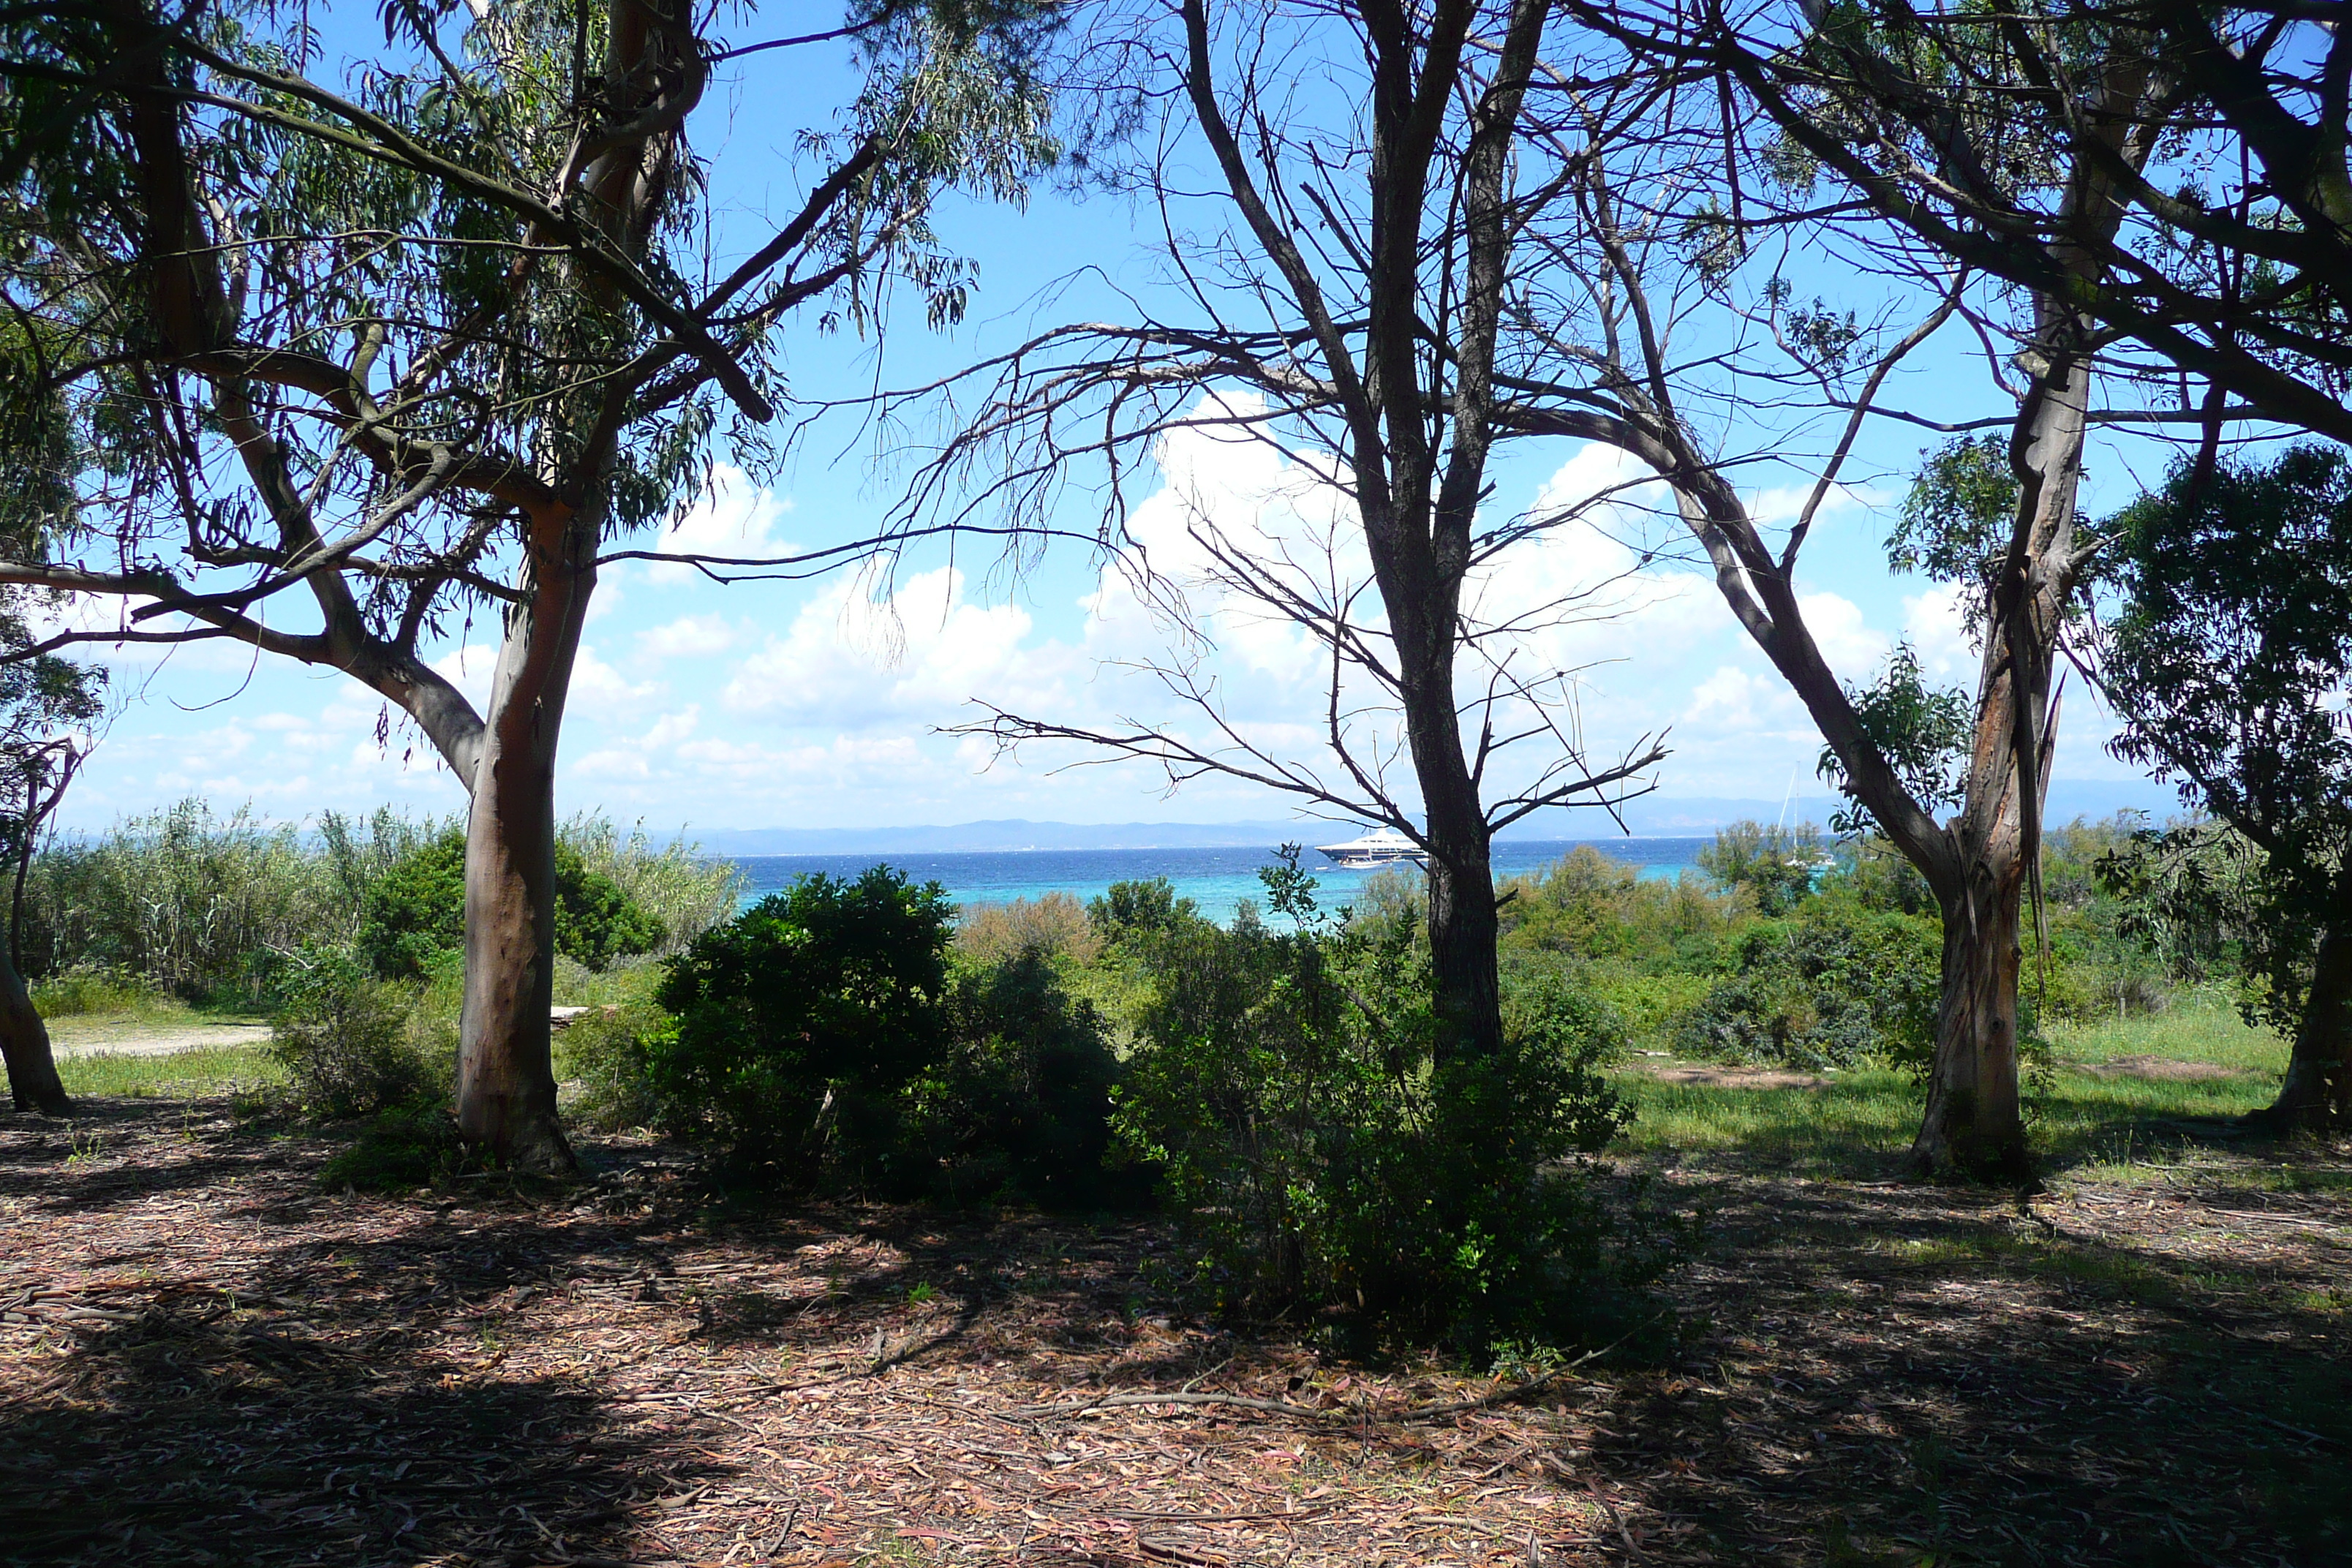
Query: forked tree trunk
[(33, 1081), (506, 1071), (2317, 1093), (1973, 1125)]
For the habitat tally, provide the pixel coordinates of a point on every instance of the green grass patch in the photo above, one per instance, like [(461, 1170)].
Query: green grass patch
[(2105, 1105), (2199, 1028), (180, 1074), (1853, 1126)]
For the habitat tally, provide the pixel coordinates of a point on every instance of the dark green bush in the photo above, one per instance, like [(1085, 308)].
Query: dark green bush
[(801, 1024), (1127, 908), (343, 1038), (416, 908), (1019, 1105), (1287, 1085), (1828, 988)]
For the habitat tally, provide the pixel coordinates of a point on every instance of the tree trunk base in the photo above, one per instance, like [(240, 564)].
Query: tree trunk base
[(526, 1138), (2006, 1165), (2314, 1115)]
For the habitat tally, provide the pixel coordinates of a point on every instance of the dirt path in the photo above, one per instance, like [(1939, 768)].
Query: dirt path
[(140, 1039), (205, 1359)]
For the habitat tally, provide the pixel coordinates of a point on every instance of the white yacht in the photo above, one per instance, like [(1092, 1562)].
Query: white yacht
[(1380, 846)]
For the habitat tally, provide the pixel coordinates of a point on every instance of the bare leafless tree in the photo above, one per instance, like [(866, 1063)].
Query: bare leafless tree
[(1368, 280)]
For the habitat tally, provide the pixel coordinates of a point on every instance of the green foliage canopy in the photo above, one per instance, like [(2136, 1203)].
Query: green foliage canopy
[(414, 911), (2229, 661)]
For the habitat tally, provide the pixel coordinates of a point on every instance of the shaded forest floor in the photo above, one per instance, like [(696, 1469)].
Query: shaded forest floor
[(205, 1359)]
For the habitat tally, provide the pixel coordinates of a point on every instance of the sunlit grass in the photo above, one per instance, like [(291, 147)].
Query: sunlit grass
[(1859, 1122), (176, 1075), (2199, 1027), (1856, 1121)]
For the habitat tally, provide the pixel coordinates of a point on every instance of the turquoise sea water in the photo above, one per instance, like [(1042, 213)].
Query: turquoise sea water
[(1216, 879)]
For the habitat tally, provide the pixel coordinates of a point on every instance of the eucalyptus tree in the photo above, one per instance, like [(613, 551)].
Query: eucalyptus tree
[(1434, 230), (2229, 658), (47, 708), (1341, 297), (426, 336)]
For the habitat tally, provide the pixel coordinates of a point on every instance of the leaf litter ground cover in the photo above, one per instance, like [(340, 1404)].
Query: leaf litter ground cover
[(205, 1359)]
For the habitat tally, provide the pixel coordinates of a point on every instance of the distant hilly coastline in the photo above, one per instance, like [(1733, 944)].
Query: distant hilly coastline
[(1647, 819), (1652, 816)]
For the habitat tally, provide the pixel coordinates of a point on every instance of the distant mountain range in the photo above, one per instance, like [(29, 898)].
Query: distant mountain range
[(1652, 817)]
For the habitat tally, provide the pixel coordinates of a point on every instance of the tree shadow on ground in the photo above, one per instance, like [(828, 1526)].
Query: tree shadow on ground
[(196, 1434), (1904, 1375), (325, 1387)]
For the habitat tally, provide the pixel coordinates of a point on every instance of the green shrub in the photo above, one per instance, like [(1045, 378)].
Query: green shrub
[(1587, 904), (416, 908), (1830, 988), (800, 1024), (1019, 1105), (1651, 1007), (401, 1150), (1286, 1087), (1126, 908), (608, 1052), (85, 989), (1776, 865), (684, 891), (343, 1039)]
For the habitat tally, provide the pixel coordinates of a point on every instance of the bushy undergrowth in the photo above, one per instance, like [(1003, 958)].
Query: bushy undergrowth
[(1018, 1106), (1793, 952), (402, 1149), (1053, 924), (414, 911), (1830, 985), (800, 1023), (197, 905), (346, 1042), (87, 989), (1328, 1156), (826, 1040), (205, 909)]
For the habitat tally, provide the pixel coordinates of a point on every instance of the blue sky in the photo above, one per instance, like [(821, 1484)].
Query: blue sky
[(816, 705)]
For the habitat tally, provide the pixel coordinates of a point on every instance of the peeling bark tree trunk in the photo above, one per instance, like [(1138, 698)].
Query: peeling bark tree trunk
[(2316, 1094), (33, 1079), (506, 1073), (1973, 1122), (1972, 1125)]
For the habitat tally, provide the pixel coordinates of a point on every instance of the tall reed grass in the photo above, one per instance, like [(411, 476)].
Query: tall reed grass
[(205, 907)]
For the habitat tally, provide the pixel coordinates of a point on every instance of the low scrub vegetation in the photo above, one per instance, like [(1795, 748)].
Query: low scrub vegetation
[(1273, 1081)]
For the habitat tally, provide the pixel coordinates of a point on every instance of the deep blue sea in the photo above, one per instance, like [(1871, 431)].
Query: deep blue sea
[(1215, 879)]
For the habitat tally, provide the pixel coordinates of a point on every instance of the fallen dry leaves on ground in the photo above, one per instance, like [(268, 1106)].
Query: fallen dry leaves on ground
[(205, 1359)]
